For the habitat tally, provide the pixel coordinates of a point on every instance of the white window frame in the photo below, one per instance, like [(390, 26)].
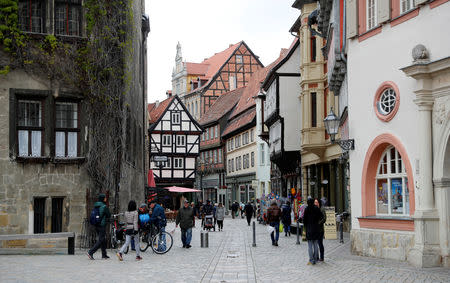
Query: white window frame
[(411, 3), (176, 118), (217, 130), (181, 140), (166, 140), (374, 19), (167, 163), (252, 138), (400, 173), (239, 59), (215, 156), (178, 163), (262, 154), (207, 134), (253, 158), (219, 155)]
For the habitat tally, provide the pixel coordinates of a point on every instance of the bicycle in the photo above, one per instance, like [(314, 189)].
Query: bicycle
[(160, 241), (117, 232)]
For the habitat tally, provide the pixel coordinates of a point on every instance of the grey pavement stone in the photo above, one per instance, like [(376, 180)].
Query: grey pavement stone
[(229, 258)]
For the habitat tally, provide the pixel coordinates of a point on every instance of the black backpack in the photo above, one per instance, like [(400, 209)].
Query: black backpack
[(95, 218)]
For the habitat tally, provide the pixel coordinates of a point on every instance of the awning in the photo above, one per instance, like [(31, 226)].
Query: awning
[(150, 179), (175, 189)]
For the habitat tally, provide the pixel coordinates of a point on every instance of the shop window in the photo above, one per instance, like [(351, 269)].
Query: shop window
[(57, 214), (392, 194), (30, 128), (39, 215), (31, 15), (66, 129), (68, 17)]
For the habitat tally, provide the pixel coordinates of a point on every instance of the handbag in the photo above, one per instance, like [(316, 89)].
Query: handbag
[(270, 229), (281, 227)]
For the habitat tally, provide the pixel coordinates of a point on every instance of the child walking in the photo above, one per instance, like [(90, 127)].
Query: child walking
[(131, 218)]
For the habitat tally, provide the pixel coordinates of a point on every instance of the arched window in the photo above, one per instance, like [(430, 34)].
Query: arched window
[(391, 186)]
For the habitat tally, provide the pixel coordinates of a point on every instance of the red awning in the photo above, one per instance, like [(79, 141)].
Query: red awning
[(175, 189), (150, 179)]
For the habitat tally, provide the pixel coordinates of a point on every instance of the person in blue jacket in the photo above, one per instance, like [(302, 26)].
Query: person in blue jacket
[(158, 217)]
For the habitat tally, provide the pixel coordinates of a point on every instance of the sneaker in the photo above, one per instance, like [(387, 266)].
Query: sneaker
[(276, 244), (90, 256), (184, 246), (105, 257), (138, 258), (309, 263), (188, 246), (119, 256)]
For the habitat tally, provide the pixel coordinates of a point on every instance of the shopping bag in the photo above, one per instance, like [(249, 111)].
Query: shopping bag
[(270, 229), (281, 227)]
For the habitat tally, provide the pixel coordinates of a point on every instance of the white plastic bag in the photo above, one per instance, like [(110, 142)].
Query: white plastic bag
[(270, 229)]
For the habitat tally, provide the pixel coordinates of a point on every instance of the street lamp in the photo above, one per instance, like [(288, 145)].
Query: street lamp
[(332, 127)]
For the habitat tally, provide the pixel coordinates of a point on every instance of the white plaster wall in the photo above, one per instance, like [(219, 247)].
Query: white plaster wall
[(290, 110), (293, 64), (378, 59), (240, 151), (262, 171)]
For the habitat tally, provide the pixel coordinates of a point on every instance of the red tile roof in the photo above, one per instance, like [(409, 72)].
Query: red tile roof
[(216, 61), (223, 105), (196, 68), (158, 109), (241, 121), (254, 85)]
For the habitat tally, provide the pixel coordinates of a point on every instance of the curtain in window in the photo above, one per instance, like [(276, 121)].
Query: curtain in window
[(60, 144), (23, 143), (72, 141), (36, 139)]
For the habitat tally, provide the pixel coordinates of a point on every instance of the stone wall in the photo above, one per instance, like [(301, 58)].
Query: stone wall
[(382, 244)]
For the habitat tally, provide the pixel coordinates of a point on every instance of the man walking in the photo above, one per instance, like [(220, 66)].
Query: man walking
[(234, 209), (311, 220), (185, 218), (248, 212), (273, 217), (100, 228)]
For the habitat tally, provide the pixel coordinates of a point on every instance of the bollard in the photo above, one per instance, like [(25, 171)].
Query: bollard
[(202, 239), (341, 231), (206, 239), (254, 234), (298, 233)]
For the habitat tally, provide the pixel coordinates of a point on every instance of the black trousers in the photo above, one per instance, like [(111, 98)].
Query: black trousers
[(101, 241), (249, 218), (220, 224)]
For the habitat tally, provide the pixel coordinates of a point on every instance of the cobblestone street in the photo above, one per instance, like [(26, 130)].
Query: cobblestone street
[(229, 258)]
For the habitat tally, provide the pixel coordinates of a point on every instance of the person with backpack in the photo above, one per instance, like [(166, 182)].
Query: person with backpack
[(273, 217), (132, 230), (98, 218), (286, 218)]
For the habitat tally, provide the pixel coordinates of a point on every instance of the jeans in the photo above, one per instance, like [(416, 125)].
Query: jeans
[(287, 228), (128, 241), (162, 240), (101, 241), (275, 225), (186, 236), (321, 248), (313, 246)]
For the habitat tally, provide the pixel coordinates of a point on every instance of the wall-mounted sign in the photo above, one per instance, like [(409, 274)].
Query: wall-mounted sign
[(160, 158)]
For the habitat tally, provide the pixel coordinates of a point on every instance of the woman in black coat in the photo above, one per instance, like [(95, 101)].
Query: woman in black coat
[(311, 220)]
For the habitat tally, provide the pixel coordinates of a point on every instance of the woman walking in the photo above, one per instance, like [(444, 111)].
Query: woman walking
[(323, 219), (220, 215), (131, 219), (286, 218)]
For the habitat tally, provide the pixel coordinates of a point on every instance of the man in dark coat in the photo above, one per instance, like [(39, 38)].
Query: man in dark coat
[(100, 228), (185, 218), (311, 220), (248, 212), (234, 209)]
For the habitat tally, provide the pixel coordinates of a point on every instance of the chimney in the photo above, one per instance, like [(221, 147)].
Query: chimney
[(156, 103), (169, 93)]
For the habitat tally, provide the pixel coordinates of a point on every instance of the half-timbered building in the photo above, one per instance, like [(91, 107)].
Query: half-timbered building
[(211, 168), (174, 143), (218, 74)]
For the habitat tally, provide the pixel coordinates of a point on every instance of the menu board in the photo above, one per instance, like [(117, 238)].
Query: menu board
[(330, 224)]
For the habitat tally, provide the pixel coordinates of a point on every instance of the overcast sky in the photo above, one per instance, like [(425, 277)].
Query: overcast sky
[(205, 27)]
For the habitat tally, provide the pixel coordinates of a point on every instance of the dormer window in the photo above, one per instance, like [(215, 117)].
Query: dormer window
[(31, 15), (68, 17)]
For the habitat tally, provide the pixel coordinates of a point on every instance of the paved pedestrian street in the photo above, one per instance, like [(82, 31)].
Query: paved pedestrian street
[(230, 257)]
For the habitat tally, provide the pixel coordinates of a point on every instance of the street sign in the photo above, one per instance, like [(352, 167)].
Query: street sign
[(160, 158)]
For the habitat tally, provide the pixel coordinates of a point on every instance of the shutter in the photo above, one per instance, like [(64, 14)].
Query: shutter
[(352, 18), (383, 11), (419, 2)]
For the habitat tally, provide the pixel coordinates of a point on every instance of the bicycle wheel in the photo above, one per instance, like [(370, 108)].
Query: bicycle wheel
[(144, 241), (113, 238), (162, 242)]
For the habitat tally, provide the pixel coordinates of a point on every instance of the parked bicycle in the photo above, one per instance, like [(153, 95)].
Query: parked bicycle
[(160, 241), (117, 232)]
